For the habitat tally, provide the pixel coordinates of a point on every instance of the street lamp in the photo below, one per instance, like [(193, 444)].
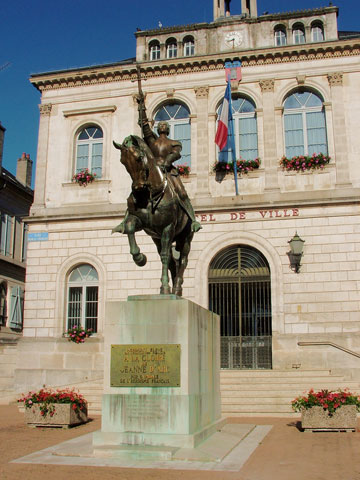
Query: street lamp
[(296, 252)]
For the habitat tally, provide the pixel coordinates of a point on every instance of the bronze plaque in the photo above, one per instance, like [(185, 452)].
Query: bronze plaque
[(145, 366)]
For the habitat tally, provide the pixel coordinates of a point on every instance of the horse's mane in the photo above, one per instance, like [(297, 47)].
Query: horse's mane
[(134, 140)]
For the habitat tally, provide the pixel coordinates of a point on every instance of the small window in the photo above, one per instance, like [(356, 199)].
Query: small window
[(317, 32), (171, 48), (155, 50), (189, 47), (83, 293), (280, 36), (298, 34), (178, 117), (89, 150)]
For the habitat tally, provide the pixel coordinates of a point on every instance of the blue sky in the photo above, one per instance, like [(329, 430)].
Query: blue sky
[(44, 35)]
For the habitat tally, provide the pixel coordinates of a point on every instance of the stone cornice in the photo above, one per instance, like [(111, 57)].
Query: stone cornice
[(185, 65)]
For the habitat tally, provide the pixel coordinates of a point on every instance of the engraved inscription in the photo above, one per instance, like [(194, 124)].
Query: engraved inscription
[(145, 366)]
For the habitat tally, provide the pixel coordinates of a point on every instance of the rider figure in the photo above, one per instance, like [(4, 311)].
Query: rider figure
[(166, 151)]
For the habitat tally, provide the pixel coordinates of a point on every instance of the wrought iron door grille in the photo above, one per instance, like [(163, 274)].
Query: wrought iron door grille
[(239, 291)]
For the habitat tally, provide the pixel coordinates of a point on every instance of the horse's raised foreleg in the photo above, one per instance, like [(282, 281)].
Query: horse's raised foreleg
[(165, 255), (183, 261), (129, 226)]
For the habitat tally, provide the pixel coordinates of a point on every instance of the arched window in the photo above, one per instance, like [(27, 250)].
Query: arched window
[(189, 46), (154, 50), (245, 130), (280, 36), (240, 292), (89, 150), (304, 124), (3, 303), (178, 117), (171, 48), (317, 32), (83, 293), (298, 33)]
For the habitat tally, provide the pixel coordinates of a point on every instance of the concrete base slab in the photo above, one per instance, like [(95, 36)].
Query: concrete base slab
[(227, 450)]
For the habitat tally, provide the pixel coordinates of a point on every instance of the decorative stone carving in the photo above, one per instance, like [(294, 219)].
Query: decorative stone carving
[(45, 108), (301, 79), (267, 85), (170, 93), (201, 92), (335, 78)]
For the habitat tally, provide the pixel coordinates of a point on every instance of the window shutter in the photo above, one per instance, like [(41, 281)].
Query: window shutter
[(16, 308)]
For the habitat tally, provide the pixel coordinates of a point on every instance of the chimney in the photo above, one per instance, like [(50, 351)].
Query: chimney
[(24, 170), (2, 134)]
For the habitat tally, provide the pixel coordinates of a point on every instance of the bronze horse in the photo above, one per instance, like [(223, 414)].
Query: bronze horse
[(153, 206)]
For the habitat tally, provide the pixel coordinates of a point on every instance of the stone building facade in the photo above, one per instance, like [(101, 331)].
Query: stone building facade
[(298, 96)]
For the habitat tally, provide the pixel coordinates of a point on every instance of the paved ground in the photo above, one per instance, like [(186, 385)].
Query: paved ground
[(286, 453)]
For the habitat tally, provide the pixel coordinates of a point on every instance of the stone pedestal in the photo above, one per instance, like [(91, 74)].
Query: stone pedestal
[(156, 415)]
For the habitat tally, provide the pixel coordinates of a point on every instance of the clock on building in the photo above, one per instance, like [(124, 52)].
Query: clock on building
[(233, 39)]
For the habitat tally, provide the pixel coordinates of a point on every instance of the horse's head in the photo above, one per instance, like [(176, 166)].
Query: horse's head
[(134, 156)]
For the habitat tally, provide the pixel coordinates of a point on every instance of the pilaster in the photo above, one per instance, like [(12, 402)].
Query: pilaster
[(202, 166), (42, 154), (339, 124), (270, 155)]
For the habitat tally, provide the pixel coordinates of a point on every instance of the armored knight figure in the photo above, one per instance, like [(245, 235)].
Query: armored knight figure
[(166, 151)]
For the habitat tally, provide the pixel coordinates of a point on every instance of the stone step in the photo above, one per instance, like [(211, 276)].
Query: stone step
[(273, 373), (294, 386), (256, 408), (281, 380)]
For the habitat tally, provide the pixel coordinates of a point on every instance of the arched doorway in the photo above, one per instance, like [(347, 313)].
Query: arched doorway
[(240, 292)]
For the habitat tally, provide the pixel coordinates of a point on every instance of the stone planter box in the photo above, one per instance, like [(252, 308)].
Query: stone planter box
[(64, 416), (316, 419)]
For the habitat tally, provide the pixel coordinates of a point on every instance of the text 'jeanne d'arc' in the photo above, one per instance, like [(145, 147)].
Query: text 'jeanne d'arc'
[(243, 215)]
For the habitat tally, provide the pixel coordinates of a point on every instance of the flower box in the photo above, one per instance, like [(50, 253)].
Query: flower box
[(63, 416), (317, 419)]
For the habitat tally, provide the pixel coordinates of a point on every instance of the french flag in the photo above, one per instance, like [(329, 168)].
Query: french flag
[(224, 120)]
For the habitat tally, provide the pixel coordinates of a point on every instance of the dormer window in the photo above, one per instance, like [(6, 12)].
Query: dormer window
[(189, 46), (171, 48), (317, 32), (154, 50), (280, 36), (298, 34)]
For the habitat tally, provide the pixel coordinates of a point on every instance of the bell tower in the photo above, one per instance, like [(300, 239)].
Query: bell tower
[(221, 8), (249, 8)]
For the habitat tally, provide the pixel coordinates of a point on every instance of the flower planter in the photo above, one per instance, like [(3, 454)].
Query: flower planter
[(64, 416), (316, 419)]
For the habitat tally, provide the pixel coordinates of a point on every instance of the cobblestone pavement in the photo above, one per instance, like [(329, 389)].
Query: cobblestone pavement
[(286, 453)]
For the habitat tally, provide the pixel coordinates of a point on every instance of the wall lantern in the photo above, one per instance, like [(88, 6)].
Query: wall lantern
[(296, 252)]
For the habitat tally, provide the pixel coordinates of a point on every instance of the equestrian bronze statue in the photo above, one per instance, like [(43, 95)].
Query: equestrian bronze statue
[(158, 202)]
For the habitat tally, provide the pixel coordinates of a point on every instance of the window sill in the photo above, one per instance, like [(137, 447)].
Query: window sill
[(254, 174), (89, 185), (187, 179), (289, 173)]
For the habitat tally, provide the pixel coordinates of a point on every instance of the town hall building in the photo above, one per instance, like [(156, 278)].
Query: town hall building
[(289, 320)]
